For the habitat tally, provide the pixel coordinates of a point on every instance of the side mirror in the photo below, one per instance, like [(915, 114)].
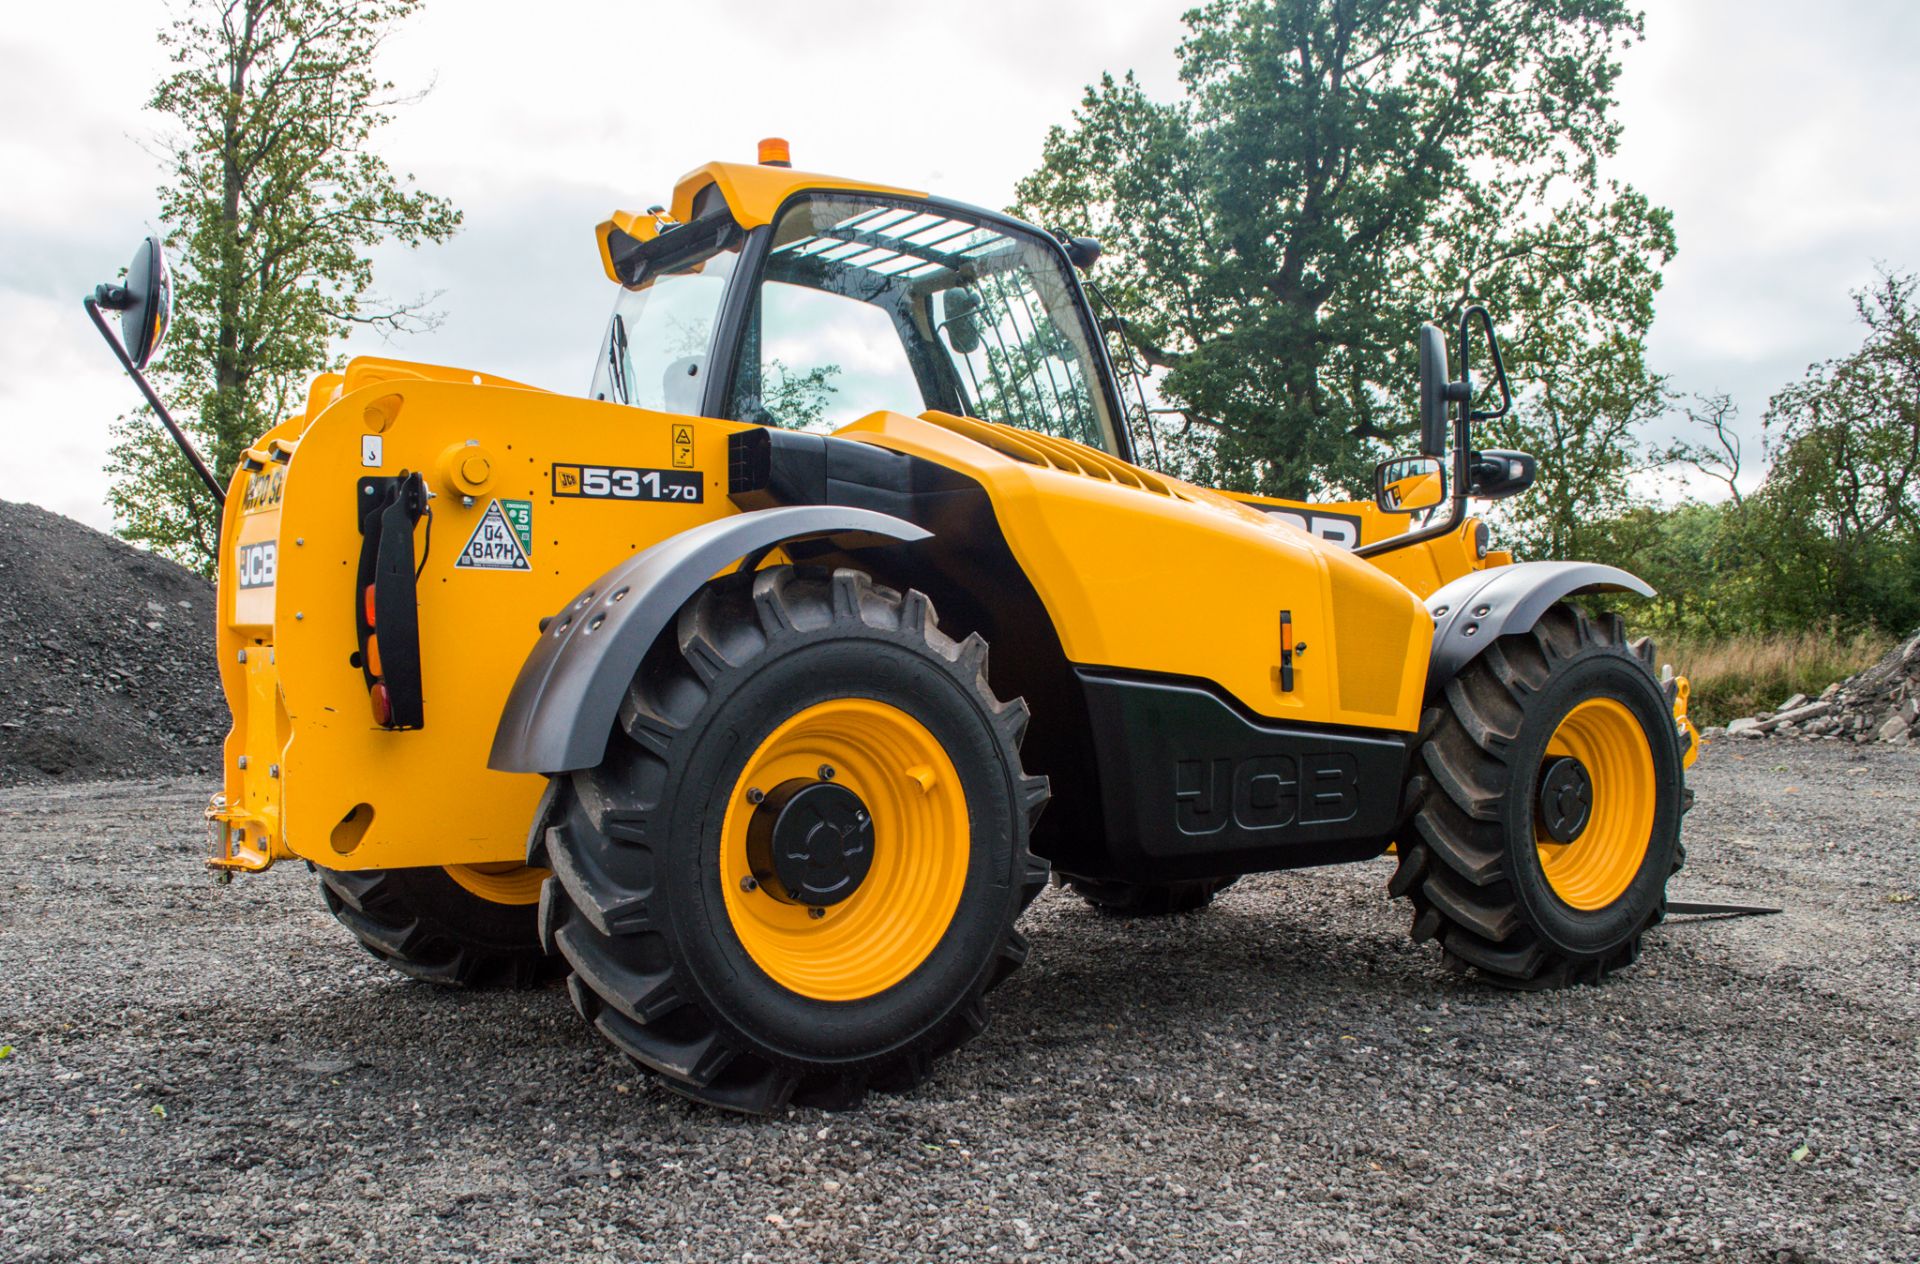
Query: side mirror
[(1410, 484), (1438, 393), (145, 303), (1434, 396), (1496, 474), (957, 309)]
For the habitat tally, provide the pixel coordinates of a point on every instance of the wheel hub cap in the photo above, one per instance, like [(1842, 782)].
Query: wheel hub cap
[(844, 851), (1594, 811), (1566, 798), (811, 842)]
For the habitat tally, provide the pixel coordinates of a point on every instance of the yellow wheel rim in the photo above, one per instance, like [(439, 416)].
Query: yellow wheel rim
[(1599, 864), (896, 916), (504, 883)]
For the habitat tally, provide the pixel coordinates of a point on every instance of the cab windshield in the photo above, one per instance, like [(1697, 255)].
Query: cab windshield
[(861, 304), (868, 303)]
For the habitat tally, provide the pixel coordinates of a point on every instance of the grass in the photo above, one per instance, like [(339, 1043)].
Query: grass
[(1749, 675)]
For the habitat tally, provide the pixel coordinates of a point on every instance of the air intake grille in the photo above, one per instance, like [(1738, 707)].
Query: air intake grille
[(1052, 452)]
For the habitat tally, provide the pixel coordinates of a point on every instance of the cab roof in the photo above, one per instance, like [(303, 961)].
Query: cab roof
[(753, 193)]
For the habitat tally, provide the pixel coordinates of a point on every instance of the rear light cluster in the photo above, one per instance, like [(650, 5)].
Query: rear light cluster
[(386, 595), (377, 691)]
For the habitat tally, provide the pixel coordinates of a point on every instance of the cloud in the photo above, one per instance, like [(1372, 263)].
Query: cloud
[(1782, 143)]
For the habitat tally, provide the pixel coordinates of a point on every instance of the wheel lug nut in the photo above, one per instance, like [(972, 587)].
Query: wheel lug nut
[(826, 772), (756, 795), (816, 913), (749, 884)]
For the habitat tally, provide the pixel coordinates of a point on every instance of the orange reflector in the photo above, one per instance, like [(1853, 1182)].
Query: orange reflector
[(373, 656), (382, 705), (366, 602), (774, 152)]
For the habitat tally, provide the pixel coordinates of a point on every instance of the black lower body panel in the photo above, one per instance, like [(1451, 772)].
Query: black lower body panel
[(1193, 787)]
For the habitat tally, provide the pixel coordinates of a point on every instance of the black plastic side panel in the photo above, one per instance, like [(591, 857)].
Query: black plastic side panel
[(1476, 610), (567, 696), (1194, 788)]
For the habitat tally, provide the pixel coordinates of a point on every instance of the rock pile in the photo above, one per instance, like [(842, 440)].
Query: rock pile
[(106, 657), (1881, 704)]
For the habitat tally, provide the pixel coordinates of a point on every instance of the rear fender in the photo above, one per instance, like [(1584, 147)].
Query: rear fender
[(1476, 610), (567, 696)]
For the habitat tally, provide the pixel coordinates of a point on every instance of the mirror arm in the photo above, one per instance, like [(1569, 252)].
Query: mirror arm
[(1499, 364), (107, 296)]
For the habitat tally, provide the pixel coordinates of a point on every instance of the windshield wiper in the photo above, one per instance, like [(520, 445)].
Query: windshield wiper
[(617, 360)]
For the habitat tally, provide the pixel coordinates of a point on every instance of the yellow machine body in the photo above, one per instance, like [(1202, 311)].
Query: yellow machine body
[(1111, 559), (1137, 572)]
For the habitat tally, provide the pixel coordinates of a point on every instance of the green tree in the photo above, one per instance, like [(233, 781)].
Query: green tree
[(1837, 523), (795, 400), (274, 200), (1337, 171)]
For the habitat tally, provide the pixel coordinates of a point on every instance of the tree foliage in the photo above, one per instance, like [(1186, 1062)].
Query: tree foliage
[(1335, 172), (274, 200), (1831, 538), (1837, 522), (796, 400)]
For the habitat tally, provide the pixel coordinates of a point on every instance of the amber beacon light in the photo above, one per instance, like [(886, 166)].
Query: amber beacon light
[(774, 152)]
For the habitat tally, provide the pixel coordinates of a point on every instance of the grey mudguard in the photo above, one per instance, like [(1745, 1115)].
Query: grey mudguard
[(1475, 610), (567, 696)]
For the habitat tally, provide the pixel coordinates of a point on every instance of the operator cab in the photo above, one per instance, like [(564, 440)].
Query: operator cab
[(848, 301)]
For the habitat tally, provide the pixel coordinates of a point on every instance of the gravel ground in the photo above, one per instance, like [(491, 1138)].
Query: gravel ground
[(217, 1074)]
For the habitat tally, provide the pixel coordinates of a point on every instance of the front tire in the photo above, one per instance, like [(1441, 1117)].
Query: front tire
[(1549, 798), (795, 873)]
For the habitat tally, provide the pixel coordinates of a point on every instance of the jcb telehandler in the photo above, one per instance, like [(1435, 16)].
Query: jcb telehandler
[(648, 688)]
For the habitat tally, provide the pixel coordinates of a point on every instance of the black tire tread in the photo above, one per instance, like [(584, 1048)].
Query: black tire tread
[(421, 923), (624, 980), (1452, 861), (1149, 899)]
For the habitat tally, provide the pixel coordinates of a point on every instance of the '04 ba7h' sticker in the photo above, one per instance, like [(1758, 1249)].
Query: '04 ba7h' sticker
[(620, 482), (502, 539)]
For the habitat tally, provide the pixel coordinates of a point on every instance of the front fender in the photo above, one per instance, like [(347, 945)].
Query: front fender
[(1476, 610), (567, 696)]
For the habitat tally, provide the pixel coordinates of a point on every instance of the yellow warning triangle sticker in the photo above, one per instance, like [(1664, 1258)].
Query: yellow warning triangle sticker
[(683, 434)]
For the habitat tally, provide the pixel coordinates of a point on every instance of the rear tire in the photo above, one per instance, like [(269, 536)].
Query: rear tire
[(1489, 882), (1149, 899), (746, 988), (428, 926)]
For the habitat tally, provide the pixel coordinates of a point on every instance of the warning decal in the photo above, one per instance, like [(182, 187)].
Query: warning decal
[(498, 544)]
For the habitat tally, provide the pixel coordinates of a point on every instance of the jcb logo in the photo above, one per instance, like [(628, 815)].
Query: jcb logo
[(1265, 792), (256, 565), (1342, 529)]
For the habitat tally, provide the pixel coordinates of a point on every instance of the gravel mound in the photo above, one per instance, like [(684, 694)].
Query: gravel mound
[(1881, 704), (106, 657)]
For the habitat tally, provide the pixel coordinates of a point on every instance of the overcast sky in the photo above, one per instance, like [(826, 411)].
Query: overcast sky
[(1782, 135)]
